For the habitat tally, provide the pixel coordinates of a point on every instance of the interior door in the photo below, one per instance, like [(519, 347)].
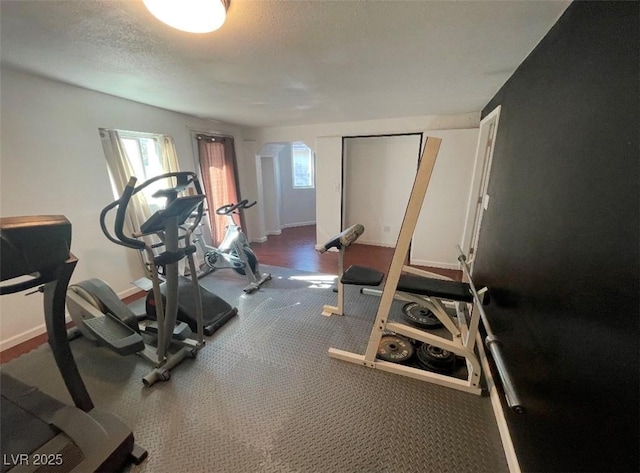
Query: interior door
[(479, 199), (442, 219)]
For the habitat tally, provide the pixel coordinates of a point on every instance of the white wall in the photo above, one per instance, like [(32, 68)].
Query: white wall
[(328, 187), (297, 206), (327, 139), (52, 162), (441, 223), (271, 201), (379, 173)]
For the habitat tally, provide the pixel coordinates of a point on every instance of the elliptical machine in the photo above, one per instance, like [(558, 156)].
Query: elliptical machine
[(97, 310), (234, 252)]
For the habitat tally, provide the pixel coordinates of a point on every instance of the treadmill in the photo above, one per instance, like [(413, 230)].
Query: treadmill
[(40, 433)]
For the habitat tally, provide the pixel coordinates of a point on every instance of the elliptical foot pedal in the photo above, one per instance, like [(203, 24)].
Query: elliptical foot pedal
[(115, 335)]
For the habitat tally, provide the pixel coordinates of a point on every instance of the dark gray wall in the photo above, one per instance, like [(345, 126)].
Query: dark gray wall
[(560, 241)]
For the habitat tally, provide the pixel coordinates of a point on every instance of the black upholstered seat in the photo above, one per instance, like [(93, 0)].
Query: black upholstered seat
[(362, 276), (452, 290)]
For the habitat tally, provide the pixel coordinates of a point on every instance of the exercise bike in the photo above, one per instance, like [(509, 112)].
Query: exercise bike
[(234, 252)]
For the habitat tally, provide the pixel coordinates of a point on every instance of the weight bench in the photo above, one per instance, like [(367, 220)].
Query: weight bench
[(430, 293), (418, 286), (354, 275)]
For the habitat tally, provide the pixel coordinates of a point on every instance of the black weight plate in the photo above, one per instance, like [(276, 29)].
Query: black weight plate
[(419, 316), (436, 359), (395, 348)]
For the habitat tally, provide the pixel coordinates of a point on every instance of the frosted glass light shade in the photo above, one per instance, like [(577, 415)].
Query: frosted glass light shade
[(193, 16)]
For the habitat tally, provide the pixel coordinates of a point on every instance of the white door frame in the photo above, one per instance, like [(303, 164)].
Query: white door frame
[(261, 200), (478, 198)]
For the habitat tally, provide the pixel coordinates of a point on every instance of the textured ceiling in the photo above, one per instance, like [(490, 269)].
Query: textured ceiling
[(284, 62)]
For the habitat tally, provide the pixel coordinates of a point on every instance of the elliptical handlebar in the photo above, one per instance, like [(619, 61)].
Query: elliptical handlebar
[(183, 178), (229, 208), (121, 214)]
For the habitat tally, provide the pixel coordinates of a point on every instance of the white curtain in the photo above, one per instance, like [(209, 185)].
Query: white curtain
[(121, 169), (169, 154)]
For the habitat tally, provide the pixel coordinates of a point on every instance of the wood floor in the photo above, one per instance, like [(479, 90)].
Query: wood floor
[(293, 248)]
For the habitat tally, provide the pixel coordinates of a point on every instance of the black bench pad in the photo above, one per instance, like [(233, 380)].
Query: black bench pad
[(452, 290), (362, 276)]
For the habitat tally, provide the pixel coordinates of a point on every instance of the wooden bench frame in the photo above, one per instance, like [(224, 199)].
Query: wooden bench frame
[(463, 333)]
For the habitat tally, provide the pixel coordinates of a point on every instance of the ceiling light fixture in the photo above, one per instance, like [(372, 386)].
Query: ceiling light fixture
[(193, 16)]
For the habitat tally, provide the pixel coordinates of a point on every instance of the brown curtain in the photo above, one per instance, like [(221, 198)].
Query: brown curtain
[(219, 178)]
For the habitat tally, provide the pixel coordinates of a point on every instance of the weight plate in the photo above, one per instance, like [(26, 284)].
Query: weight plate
[(395, 348), (434, 358), (420, 316)]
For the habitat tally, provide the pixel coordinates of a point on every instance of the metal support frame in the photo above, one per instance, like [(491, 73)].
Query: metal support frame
[(256, 277), (463, 335), (329, 310), (167, 312), (54, 316), (493, 342)]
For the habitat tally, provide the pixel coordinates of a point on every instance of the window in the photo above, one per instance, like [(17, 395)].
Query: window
[(145, 157), (302, 166)]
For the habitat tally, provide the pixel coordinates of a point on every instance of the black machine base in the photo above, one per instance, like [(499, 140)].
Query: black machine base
[(216, 310)]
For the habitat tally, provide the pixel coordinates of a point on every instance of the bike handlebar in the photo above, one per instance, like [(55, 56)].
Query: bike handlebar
[(229, 208)]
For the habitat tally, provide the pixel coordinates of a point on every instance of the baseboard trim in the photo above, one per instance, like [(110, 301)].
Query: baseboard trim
[(498, 411), (276, 232), (23, 337), (434, 264), (41, 329), (129, 292), (376, 243), (259, 240), (300, 224)]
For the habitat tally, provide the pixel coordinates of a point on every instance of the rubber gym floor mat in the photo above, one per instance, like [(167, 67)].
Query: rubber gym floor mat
[(264, 396)]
